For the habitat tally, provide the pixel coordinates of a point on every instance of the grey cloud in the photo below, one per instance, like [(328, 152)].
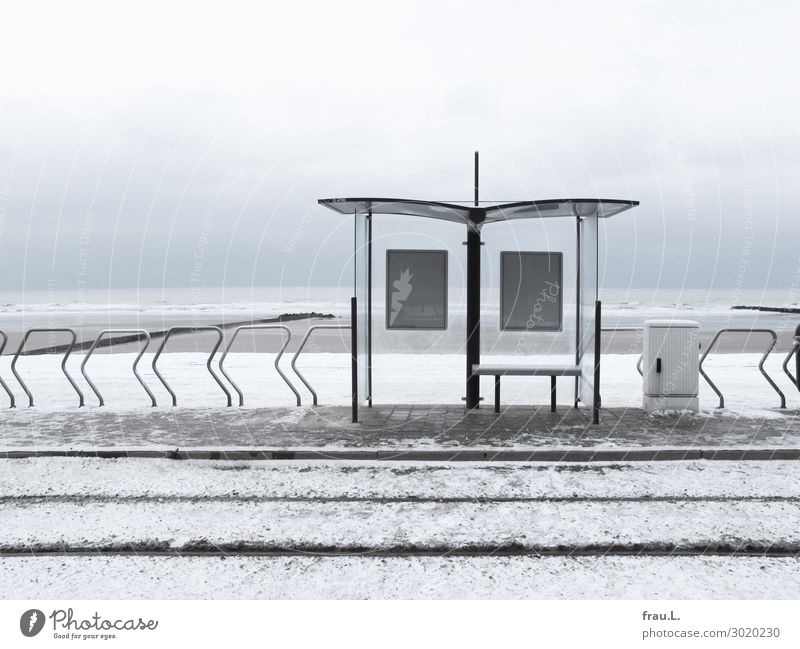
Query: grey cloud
[(682, 113)]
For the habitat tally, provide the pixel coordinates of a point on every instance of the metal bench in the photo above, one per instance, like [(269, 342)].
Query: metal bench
[(526, 370)]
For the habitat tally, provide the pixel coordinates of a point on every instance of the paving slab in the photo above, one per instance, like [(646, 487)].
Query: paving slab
[(421, 427)]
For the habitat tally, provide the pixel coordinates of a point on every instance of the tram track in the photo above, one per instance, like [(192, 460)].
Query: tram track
[(490, 550), (380, 500)]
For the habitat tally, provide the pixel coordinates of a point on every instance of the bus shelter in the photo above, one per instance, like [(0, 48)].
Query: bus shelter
[(525, 277)]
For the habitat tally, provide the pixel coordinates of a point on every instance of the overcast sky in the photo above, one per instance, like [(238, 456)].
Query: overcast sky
[(151, 145)]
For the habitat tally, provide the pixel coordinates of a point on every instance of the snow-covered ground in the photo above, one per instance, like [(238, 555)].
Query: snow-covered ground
[(435, 508), (397, 378), (156, 503), (318, 577), (112, 479)]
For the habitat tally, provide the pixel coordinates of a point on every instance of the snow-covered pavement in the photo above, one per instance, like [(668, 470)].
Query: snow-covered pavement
[(430, 527), (397, 378), (321, 577), (113, 480), (77, 527), (399, 529)]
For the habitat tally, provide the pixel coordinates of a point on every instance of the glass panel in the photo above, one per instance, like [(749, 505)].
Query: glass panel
[(588, 289), (361, 289), (529, 321), (552, 209), (427, 209), (568, 207), (413, 361)]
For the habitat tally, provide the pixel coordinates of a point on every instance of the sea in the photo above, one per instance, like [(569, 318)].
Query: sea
[(157, 309)]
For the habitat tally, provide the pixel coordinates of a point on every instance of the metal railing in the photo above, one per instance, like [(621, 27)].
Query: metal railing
[(785, 366), (63, 361), (760, 364), (616, 329), (300, 349), (216, 378), (2, 382), (277, 358), (106, 332)]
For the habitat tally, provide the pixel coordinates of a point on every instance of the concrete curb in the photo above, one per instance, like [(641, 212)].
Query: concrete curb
[(640, 454), (243, 549)]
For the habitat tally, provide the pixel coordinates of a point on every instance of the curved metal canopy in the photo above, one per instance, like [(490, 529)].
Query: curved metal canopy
[(479, 216)]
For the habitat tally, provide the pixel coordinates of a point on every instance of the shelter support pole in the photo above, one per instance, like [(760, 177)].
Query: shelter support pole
[(369, 308), (578, 298), (354, 356), (598, 328), (473, 316), (474, 295)]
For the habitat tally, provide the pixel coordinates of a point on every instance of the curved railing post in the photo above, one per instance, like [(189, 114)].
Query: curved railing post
[(277, 358), (764, 372), (760, 364), (794, 350), (2, 382), (163, 344), (105, 332), (300, 349), (73, 340), (704, 375)]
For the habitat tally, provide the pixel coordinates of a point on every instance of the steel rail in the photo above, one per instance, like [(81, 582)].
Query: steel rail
[(277, 358), (300, 349), (105, 332), (163, 344), (615, 329), (73, 340), (760, 364), (2, 382), (202, 550)]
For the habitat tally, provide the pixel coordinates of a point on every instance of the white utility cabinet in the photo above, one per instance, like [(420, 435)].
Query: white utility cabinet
[(671, 365)]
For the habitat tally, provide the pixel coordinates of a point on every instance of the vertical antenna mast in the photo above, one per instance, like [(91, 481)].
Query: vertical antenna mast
[(477, 178), (473, 349)]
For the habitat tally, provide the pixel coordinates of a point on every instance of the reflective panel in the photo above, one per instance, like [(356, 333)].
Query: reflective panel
[(426, 209), (416, 289), (531, 291), (583, 207), (551, 208)]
